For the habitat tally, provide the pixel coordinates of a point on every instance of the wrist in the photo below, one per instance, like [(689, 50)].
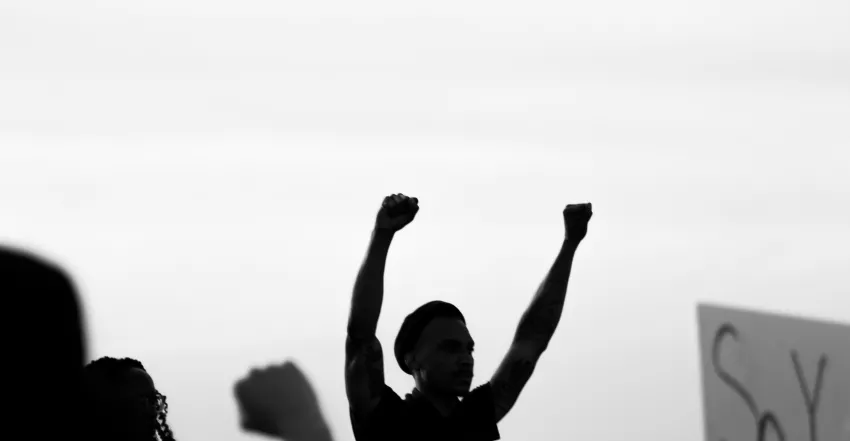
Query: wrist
[(314, 428), (382, 233), (570, 244)]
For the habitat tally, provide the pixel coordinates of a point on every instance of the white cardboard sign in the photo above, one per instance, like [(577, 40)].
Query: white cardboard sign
[(773, 377)]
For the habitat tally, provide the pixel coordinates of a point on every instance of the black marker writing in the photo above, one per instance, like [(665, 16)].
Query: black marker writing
[(812, 399), (728, 329), (769, 418), (762, 420)]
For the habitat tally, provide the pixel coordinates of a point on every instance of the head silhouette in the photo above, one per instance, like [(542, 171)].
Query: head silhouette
[(45, 340), (435, 347), (125, 401)]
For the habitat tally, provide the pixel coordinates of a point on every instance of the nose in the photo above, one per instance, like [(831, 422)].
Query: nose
[(467, 362)]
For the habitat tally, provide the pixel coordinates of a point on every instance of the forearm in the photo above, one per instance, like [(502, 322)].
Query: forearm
[(540, 320), (313, 428), (368, 292), (320, 433)]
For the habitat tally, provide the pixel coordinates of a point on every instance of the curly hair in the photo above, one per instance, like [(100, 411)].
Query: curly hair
[(109, 370)]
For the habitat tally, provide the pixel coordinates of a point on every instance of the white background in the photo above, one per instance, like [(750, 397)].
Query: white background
[(209, 171)]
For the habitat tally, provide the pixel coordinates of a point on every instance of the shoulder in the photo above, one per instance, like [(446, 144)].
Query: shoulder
[(479, 399), (479, 409), (387, 411)]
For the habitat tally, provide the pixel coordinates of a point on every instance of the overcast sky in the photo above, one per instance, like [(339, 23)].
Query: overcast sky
[(210, 170)]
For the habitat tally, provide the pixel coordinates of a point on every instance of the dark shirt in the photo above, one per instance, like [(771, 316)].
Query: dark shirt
[(416, 419)]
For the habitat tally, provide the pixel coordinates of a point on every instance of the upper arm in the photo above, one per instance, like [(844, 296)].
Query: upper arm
[(364, 373), (512, 374)]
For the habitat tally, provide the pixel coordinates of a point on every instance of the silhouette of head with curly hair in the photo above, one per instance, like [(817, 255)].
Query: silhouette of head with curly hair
[(125, 401)]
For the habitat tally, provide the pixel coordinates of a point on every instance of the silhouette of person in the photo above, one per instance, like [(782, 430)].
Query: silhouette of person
[(279, 401), (124, 401), (435, 347), (45, 343)]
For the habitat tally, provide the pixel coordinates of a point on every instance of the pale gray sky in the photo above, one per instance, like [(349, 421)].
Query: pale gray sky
[(210, 170)]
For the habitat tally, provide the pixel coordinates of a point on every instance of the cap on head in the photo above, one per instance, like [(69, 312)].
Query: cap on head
[(415, 322)]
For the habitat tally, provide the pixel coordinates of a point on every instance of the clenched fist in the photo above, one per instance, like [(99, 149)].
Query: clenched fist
[(397, 211), (576, 217), (279, 401)]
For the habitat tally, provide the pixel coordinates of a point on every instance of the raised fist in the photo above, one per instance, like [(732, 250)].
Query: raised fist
[(279, 401), (576, 217), (396, 212)]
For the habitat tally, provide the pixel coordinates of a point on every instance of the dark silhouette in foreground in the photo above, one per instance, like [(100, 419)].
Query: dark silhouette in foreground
[(124, 402), (279, 401), (45, 348), (435, 347)]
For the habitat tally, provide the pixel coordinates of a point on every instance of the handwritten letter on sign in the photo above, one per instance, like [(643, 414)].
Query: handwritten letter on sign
[(773, 377)]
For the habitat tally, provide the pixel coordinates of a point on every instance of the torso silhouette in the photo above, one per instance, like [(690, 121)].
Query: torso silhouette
[(416, 419)]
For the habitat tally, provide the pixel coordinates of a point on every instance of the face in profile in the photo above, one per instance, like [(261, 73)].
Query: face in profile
[(444, 356), (141, 396)]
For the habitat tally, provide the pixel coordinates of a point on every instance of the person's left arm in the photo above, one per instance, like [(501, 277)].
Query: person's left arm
[(538, 323)]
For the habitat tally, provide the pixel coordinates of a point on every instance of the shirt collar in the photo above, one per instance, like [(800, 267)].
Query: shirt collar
[(418, 400)]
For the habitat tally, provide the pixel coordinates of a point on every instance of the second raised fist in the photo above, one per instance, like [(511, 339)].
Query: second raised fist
[(397, 211)]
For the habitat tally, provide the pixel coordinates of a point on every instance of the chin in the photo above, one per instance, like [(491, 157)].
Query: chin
[(463, 391)]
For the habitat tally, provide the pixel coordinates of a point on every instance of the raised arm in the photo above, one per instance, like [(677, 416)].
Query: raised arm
[(538, 323), (364, 362)]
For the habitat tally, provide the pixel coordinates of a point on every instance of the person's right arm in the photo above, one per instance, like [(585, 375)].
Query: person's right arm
[(364, 362)]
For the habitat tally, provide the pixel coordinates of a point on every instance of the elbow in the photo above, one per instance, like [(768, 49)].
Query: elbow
[(362, 321), (536, 330), (359, 328), (533, 348), (530, 346)]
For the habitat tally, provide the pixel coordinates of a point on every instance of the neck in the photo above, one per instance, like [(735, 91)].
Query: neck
[(444, 403)]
